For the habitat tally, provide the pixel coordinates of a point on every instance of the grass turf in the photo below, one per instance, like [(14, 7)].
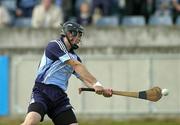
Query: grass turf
[(8, 121)]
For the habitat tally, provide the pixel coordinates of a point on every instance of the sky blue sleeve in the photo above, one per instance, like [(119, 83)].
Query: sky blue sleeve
[(64, 58)]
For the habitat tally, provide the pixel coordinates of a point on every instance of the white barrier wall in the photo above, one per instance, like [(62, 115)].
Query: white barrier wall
[(128, 72), (133, 58)]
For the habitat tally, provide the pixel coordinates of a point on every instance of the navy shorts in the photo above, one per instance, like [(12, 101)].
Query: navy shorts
[(49, 99)]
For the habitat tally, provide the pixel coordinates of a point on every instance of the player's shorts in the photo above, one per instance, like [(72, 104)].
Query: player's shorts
[(53, 101)]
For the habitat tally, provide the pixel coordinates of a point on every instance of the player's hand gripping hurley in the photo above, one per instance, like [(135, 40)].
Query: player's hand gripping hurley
[(154, 94)]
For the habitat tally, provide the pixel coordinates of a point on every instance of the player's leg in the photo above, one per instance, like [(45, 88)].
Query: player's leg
[(32, 118), (36, 112), (65, 118), (60, 109)]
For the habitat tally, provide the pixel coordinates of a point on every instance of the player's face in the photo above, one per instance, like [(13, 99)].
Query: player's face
[(76, 37)]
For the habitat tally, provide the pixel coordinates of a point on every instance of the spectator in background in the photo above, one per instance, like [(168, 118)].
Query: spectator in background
[(96, 15), (115, 7), (25, 7), (4, 16), (78, 4), (121, 6), (68, 8), (46, 15), (135, 7), (104, 5), (150, 8), (140, 8), (176, 9), (163, 8), (84, 17)]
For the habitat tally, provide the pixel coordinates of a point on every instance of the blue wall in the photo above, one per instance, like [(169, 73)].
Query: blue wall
[(4, 85)]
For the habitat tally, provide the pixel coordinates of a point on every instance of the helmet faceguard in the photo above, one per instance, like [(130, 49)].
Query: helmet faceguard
[(74, 29)]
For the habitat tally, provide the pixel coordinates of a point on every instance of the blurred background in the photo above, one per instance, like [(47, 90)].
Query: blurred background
[(128, 45)]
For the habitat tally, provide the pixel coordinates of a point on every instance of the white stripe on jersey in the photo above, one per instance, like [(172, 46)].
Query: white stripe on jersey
[(61, 45), (64, 48)]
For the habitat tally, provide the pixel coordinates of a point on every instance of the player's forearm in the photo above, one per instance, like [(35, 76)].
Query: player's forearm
[(86, 83), (85, 75)]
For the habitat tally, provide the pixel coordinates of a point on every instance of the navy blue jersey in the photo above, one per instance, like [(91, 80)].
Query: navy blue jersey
[(52, 68)]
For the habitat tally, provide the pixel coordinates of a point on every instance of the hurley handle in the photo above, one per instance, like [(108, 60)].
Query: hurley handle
[(86, 89)]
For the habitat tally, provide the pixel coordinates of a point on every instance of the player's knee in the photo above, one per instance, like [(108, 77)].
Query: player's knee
[(74, 124), (30, 122), (32, 119)]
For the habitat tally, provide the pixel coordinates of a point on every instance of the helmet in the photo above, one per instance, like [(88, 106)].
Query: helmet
[(73, 27)]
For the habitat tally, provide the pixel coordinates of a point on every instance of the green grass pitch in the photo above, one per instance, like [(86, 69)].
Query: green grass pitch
[(8, 121)]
